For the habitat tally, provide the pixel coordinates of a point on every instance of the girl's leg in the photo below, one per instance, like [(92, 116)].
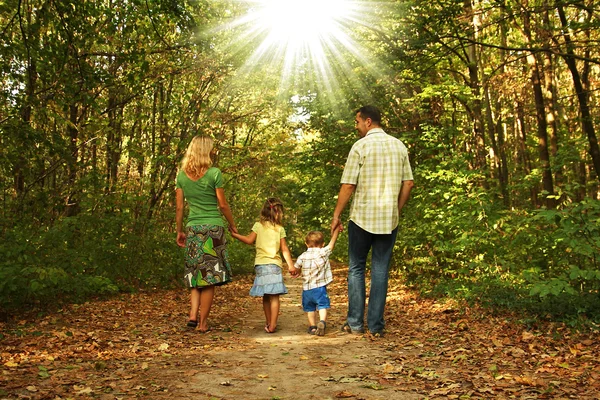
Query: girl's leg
[(206, 299), (273, 305), (194, 304), (267, 309)]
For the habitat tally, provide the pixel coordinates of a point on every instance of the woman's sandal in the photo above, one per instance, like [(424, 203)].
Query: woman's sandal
[(268, 330), (192, 324), (312, 330)]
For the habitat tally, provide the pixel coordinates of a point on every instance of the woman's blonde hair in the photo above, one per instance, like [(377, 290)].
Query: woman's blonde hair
[(272, 211), (197, 156)]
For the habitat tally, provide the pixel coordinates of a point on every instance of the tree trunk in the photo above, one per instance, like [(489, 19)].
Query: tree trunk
[(475, 85), (587, 123), (542, 124), (522, 153), (71, 206)]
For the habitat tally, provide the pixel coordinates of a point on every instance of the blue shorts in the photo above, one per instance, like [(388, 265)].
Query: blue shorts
[(315, 299)]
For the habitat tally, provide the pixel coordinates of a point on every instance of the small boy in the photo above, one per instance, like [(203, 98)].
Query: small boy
[(316, 275)]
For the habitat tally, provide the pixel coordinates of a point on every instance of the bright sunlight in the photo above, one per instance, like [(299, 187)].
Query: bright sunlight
[(303, 39)]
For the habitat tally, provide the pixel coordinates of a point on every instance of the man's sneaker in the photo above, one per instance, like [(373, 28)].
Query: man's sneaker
[(346, 328)]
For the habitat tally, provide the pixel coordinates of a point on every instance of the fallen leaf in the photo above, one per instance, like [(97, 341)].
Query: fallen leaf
[(526, 336), (349, 380), (374, 386), (344, 395), (86, 390)]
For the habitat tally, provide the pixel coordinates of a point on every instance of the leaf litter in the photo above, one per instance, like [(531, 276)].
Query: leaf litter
[(136, 345)]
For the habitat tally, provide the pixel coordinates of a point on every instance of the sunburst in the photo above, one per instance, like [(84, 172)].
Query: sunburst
[(307, 41)]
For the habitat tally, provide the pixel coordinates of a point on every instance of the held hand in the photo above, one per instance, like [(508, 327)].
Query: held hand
[(181, 239), (336, 223), (233, 229), (294, 271)]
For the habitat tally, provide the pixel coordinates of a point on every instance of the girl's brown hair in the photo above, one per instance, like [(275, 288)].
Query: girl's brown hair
[(272, 211)]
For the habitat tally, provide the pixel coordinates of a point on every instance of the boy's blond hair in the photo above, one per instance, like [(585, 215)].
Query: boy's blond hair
[(314, 239)]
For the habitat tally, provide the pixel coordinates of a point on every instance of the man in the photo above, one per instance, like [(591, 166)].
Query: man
[(378, 173)]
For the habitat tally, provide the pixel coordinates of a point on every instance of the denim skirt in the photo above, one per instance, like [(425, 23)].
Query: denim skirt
[(268, 280)]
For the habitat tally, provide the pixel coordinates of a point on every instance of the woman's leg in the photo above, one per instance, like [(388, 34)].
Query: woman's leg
[(206, 299), (194, 304)]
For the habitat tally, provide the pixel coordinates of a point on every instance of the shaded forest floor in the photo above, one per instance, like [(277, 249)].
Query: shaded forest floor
[(137, 346)]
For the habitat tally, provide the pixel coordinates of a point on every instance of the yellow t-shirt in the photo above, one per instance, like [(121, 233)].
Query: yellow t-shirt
[(268, 240)]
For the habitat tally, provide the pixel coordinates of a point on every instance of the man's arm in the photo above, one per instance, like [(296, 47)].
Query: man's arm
[(344, 195), (404, 194)]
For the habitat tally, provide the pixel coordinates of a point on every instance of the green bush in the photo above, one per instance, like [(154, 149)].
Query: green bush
[(84, 256)]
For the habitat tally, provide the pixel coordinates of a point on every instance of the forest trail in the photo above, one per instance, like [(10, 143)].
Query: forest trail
[(137, 346)]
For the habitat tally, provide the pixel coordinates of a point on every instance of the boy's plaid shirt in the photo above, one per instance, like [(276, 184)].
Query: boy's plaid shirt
[(316, 270)]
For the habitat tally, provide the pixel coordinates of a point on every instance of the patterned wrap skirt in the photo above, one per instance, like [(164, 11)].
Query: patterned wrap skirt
[(268, 280), (206, 262)]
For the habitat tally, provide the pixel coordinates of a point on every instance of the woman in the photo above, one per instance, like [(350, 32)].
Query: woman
[(206, 263)]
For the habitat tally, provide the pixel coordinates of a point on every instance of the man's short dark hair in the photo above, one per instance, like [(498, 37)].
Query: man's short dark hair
[(370, 112)]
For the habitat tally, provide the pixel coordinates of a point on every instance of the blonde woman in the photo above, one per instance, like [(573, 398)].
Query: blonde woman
[(206, 263)]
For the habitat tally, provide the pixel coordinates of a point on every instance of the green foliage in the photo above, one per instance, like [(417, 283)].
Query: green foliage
[(82, 257), (571, 249), (461, 243)]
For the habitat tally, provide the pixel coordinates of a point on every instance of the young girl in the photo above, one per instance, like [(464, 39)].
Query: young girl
[(270, 240), (206, 263)]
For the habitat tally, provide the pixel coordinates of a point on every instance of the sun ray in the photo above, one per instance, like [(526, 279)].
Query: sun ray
[(310, 44)]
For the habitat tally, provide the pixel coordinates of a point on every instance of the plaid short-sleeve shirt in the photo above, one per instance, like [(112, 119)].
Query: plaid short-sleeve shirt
[(316, 269), (377, 164)]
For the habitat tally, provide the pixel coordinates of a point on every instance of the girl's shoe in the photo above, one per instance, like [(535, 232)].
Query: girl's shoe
[(321, 328)]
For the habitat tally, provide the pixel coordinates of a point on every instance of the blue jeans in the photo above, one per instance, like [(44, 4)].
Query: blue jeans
[(360, 242)]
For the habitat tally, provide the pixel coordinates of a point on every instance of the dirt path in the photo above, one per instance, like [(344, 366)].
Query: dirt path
[(135, 346), (291, 364)]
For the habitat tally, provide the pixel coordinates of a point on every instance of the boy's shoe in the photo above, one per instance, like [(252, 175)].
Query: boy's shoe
[(312, 330), (346, 328), (321, 328)]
